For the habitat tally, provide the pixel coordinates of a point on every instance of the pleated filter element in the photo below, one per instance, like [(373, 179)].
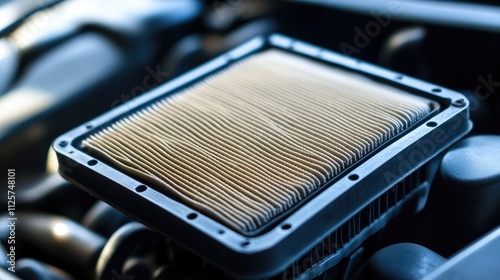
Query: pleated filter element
[(248, 143)]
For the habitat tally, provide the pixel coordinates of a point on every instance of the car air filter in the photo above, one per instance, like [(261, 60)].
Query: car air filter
[(277, 157)]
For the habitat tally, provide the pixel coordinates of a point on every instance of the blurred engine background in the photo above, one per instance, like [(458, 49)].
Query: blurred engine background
[(65, 62)]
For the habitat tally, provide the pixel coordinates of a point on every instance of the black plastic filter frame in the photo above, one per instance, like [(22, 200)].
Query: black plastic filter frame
[(267, 253)]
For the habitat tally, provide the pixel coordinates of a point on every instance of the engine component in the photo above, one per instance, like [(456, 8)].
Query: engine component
[(476, 261), (400, 261), (469, 179), (277, 154)]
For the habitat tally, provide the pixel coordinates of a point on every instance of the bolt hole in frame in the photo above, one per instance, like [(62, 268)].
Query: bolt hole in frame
[(270, 251)]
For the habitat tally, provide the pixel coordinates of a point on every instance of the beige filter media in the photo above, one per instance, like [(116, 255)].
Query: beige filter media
[(248, 143)]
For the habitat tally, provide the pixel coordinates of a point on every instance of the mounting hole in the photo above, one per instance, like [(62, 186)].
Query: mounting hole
[(71, 152), (353, 177), (432, 124), (286, 226), (89, 126), (458, 103), (192, 216), (92, 162), (221, 231), (141, 188), (436, 90), (245, 244), (399, 77), (63, 144)]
